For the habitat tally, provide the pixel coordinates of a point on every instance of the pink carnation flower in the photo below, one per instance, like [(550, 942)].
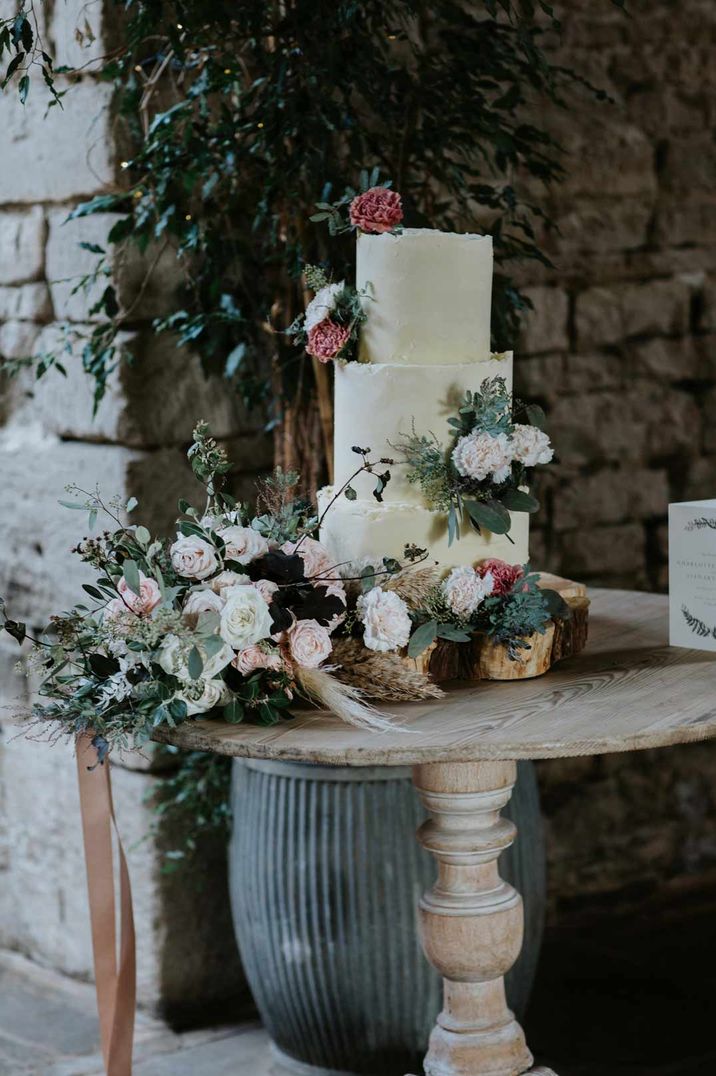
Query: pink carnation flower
[(504, 575), (327, 339), (378, 210)]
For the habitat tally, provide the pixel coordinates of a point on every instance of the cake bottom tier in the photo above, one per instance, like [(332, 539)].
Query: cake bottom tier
[(353, 530)]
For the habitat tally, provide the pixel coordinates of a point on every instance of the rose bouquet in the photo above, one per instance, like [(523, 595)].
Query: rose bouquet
[(244, 614)]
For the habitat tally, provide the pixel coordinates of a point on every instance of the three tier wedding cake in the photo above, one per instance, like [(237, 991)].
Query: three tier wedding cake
[(425, 343)]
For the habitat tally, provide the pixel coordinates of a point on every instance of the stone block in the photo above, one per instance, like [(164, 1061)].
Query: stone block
[(665, 359), (686, 221), (599, 225), (700, 481), (613, 495), (28, 302), (609, 314), (156, 399), (69, 156), (600, 426), (22, 240), (18, 338), (689, 163), (606, 154), (602, 551), (541, 376), (708, 304), (595, 370), (709, 412), (68, 264), (545, 326), (145, 284)]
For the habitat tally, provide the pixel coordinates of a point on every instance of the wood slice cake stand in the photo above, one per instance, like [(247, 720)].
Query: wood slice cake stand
[(628, 691)]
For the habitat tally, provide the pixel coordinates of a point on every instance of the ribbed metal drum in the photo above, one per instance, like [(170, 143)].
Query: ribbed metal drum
[(325, 876)]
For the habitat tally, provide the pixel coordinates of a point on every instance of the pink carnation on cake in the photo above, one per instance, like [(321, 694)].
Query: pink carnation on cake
[(504, 575), (377, 210), (327, 339)]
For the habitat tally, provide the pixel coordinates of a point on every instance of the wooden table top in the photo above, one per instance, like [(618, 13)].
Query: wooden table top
[(627, 691)]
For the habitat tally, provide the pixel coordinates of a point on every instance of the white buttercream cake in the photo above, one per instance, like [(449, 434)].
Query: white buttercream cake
[(425, 342)]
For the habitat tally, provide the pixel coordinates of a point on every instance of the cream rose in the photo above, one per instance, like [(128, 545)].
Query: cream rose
[(243, 544), (255, 657), (193, 557), (201, 601), (317, 561), (483, 455), (322, 305), (385, 618), (214, 693), (173, 657), (245, 617), (531, 446), (465, 590), (226, 579), (309, 643)]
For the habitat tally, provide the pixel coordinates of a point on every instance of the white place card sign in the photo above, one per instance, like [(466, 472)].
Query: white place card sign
[(692, 574)]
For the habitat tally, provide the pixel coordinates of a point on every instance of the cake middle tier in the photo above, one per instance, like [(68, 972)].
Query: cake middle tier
[(358, 530), (376, 403)]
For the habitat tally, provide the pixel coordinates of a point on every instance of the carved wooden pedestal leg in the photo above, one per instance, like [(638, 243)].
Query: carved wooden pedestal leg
[(471, 920)]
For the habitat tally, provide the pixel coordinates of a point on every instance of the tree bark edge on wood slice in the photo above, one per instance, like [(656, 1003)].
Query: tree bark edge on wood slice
[(483, 659)]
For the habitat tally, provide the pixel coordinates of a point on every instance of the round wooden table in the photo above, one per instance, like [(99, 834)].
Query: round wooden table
[(628, 691)]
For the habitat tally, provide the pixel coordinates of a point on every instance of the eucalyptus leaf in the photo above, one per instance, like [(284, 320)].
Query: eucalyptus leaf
[(489, 515), (422, 637), (195, 663), (517, 500), (130, 573)]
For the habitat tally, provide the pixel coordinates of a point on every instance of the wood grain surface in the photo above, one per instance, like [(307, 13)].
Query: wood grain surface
[(628, 690)]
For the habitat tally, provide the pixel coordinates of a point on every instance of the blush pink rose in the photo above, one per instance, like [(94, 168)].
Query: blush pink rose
[(327, 339), (142, 604), (255, 657), (318, 564), (504, 575), (266, 588), (309, 643), (378, 210)]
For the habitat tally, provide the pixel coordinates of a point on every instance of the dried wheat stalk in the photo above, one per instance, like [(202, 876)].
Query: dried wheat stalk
[(413, 585), (380, 676)]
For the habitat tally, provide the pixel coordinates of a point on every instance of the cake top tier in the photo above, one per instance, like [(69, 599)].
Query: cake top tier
[(430, 297)]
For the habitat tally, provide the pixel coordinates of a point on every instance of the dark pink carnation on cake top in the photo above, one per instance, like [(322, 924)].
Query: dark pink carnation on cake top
[(504, 575), (377, 210), (327, 339)]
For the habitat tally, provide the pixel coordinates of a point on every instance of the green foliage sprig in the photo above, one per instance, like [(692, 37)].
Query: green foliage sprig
[(238, 115), (485, 502)]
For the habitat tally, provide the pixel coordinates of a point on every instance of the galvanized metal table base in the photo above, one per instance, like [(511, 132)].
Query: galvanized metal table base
[(629, 691)]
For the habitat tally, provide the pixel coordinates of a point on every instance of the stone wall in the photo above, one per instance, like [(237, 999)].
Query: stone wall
[(621, 350), (621, 346), (134, 446)]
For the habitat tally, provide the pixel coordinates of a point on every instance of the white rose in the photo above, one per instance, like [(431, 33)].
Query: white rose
[(193, 557), (317, 561), (201, 601), (465, 590), (245, 617), (387, 624), (531, 446), (243, 544), (214, 693), (309, 643), (322, 305), (221, 582), (173, 657), (479, 455)]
